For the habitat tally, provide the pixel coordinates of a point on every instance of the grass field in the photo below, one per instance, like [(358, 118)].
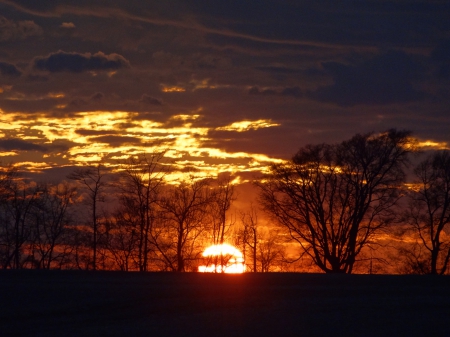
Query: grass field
[(75, 303)]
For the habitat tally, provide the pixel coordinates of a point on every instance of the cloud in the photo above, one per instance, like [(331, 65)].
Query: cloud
[(10, 30), (247, 125), (288, 91), (98, 96), (150, 100), (262, 92), (20, 145), (78, 102), (441, 55), (278, 69), (291, 91), (85, 132), (69, 25), (7, 69), (177, 21), (116, 140), (381, 80), (384, 79), (77, 62)]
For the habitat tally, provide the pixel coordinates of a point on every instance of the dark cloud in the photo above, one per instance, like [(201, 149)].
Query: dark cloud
[(85, 132), (441, 55), (150, 100), (20, 145), (263, 92), (78, 102), (230, 61), (291, 91), (61, 145), (7, 69), (278, 69), (387, 78), (116, 140), (288, 91), (30, 105), (98, 96), (77, 63), (37, 78), (20, 30)]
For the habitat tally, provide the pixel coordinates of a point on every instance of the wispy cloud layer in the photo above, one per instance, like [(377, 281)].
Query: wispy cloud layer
[(216, 82)]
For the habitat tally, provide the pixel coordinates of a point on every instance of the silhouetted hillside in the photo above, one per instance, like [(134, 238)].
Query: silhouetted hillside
[(72, 303)]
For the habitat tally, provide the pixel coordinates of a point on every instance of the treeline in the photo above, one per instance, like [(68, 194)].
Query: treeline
[(339, 201), (356, 206), (131, 220)]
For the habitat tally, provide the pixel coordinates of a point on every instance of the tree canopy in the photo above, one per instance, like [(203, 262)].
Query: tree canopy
[(334, 198)]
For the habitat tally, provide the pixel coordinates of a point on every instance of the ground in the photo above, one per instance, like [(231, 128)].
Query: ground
[(75, 303)]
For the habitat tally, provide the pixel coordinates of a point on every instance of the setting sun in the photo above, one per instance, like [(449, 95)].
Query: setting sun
[(222, 258)]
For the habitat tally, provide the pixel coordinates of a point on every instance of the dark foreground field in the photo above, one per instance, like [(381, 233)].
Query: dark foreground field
[(69, 303)]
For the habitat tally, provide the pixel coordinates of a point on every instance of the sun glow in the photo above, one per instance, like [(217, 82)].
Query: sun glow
[(430, 144), (84, 138), (247, 125), (222, 258)]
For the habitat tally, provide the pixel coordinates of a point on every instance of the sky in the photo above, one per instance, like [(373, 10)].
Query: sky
[(222, 86)]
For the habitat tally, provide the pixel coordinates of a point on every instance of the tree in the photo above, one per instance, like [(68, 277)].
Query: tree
[(249, 235), (411, 258), (123, 239), (50, 220), (333, 198), (93, 179), (223, 199), (18, 198), (185, 210), (8, 177), (429, 210), (262, 243), (270, 251), (142, 178)]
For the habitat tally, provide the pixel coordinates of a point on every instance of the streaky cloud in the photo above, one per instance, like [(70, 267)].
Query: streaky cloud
[(20, 145), (7, 69), (76, 62)]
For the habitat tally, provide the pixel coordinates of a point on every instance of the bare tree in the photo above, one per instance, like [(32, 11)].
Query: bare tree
[(122, 239), (334, 198), (18, 199), (8, 177), (224, 197), (51, 218), (429, 209), (142, 177), (185, 210), (411, 258), (249, 234), (93, 179), (263, 244), (270, 250)]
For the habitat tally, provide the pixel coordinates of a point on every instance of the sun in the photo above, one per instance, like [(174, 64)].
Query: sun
[(222, 258)]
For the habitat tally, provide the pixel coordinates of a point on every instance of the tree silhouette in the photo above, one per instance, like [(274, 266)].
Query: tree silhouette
[(429, 209), (224, 196), (142, 178), (93, 179), (18, 198), (261, 246), (334, 198), (185, 209), (51, 218)]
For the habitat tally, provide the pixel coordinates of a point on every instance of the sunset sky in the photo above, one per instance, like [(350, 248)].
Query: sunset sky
[(223, 86)]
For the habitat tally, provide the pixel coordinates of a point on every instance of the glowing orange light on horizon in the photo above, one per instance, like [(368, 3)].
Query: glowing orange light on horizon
[(185, 139), (222, 258), (173, 89)]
